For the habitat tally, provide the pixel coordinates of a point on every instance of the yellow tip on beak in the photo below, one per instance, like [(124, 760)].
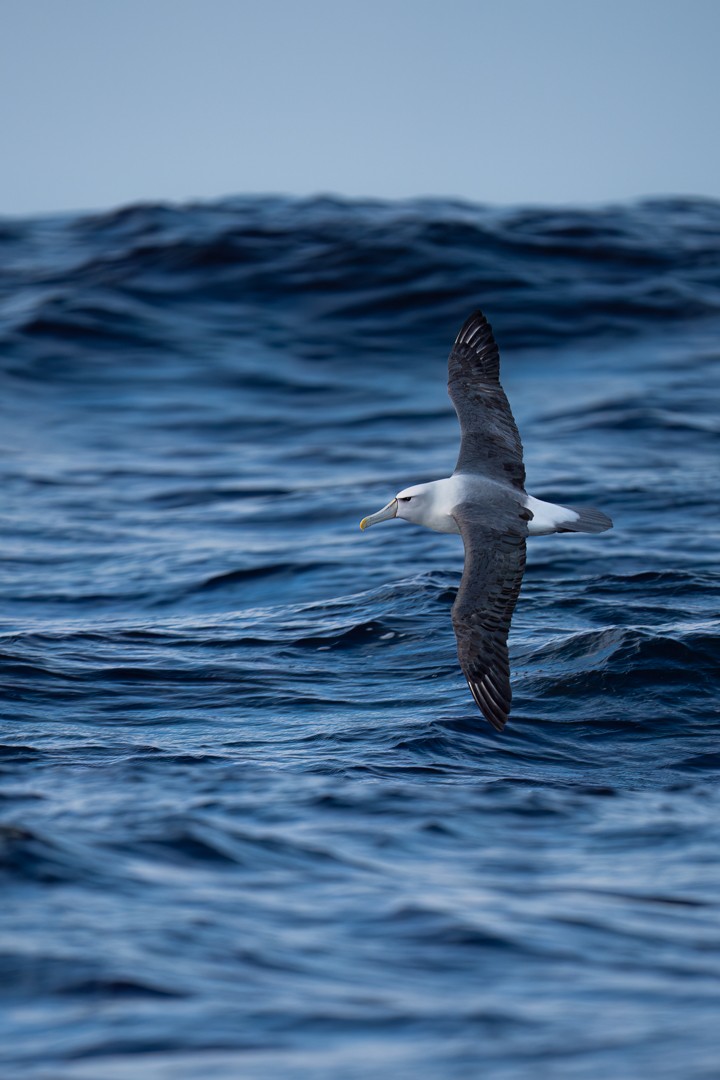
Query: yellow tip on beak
[(389, 511)]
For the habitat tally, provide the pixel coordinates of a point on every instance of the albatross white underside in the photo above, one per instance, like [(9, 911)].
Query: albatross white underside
[(433, 505), (485, 501)]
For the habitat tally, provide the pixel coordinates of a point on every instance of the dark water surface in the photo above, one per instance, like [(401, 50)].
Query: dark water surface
[(252, 824)]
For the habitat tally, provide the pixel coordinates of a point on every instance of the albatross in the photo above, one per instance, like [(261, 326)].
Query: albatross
[(485, 501)]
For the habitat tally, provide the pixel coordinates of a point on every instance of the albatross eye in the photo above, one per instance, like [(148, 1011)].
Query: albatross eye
[(404, 498)]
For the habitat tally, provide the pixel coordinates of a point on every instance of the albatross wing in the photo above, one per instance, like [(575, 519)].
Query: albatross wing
[(490, 443), (481, 614)]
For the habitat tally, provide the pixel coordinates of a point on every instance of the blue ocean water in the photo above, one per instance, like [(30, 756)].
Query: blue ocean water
[(252, 823)]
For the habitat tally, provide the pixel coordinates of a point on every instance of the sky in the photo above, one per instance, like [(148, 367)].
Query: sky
[(106, 102)]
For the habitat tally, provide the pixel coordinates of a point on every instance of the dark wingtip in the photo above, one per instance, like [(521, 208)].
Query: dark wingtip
[(475, 344), (495, 713), (472, 327)]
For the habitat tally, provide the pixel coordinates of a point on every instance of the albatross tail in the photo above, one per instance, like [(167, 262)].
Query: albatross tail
[(589, 520), (551, 518)]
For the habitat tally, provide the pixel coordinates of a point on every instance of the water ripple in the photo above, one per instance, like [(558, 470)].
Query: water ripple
[(251, 823)]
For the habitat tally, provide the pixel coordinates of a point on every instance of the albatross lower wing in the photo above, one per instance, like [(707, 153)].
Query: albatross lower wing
[(490, 443), (481, 614)]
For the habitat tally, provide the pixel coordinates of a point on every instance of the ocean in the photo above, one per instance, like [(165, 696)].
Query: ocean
[(251, 822)]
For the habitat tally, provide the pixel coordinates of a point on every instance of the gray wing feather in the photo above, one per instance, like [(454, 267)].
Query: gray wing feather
[(481, 614), (490, 442)]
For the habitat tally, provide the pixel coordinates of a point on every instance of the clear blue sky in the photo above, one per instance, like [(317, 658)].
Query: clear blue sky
[(105, 102)]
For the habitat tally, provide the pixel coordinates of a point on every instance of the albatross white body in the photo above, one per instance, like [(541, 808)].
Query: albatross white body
[(486, 502), (432, 505)]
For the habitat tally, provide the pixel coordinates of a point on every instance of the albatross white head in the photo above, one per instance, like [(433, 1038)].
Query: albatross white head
[(425, 504)]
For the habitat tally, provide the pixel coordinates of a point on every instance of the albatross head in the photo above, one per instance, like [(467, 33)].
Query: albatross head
[(411, 503)]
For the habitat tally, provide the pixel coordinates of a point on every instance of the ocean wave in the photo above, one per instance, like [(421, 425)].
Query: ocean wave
[(369, 272), (250, 817)]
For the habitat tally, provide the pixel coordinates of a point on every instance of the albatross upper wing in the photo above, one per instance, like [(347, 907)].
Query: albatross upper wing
[(481, 614), (490, 443)]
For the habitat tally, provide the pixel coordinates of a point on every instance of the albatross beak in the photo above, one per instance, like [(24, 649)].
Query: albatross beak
[(389, 511)]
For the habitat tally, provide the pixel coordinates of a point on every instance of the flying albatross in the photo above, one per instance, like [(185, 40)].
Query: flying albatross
[(485, 501)]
